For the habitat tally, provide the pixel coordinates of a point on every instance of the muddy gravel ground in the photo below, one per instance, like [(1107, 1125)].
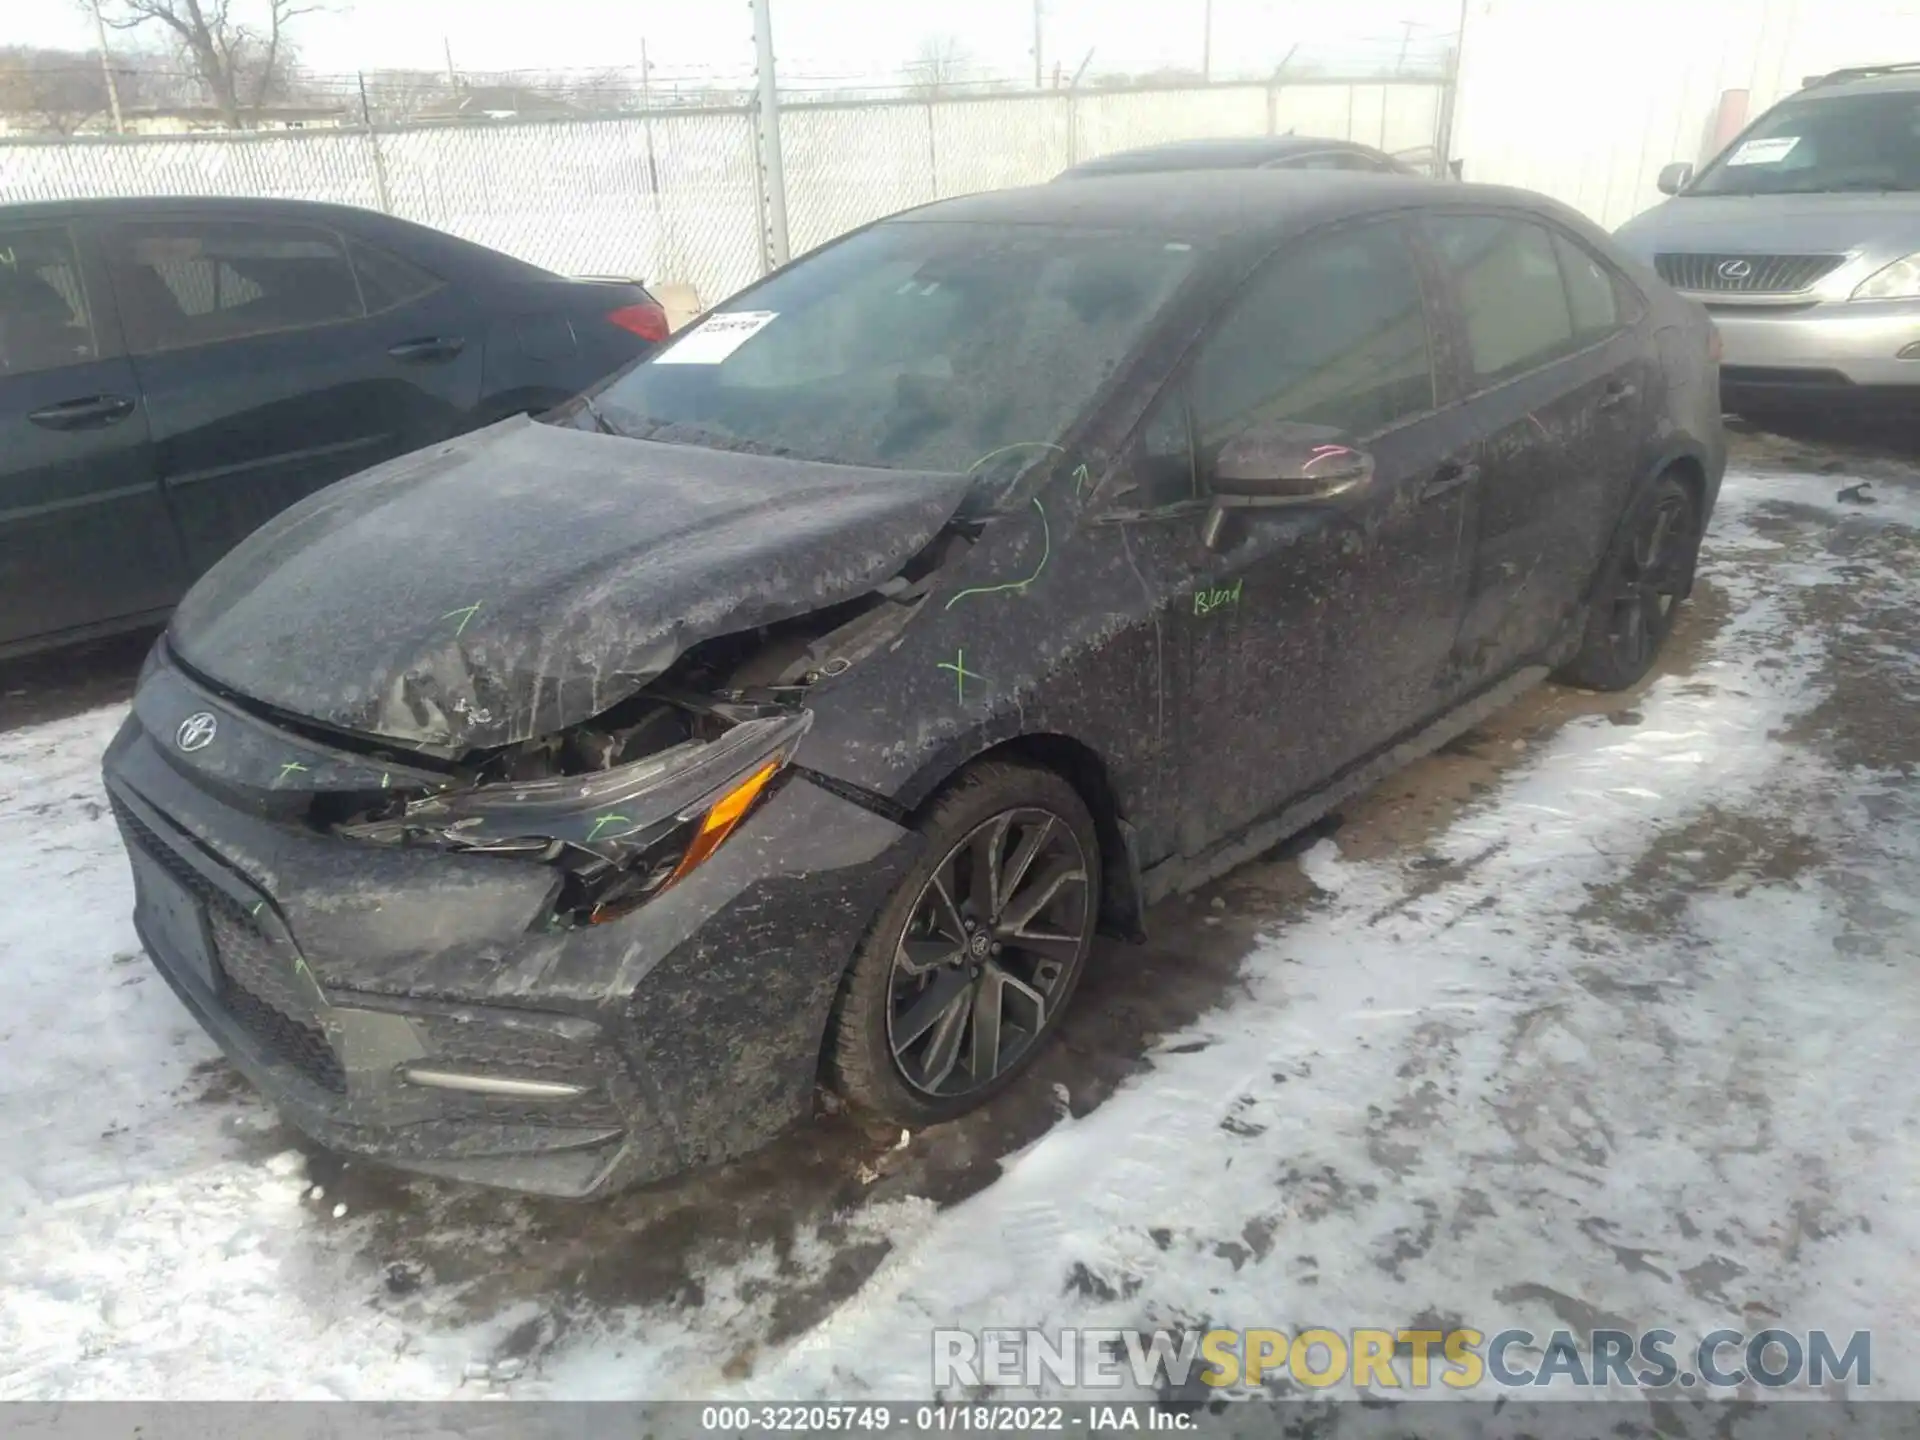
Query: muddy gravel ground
[(784, 1231)]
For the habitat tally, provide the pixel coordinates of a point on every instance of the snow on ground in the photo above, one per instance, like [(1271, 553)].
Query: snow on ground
[(1623, 1046)]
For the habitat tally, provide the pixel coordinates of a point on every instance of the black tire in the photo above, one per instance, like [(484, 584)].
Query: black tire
[(1644, 578), (994, 803)]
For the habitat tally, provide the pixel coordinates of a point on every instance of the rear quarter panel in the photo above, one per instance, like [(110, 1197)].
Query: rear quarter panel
[(549, 340)]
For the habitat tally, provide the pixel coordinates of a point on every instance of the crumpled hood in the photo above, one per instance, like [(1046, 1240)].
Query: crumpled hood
[(1775, 224), (526, 577)]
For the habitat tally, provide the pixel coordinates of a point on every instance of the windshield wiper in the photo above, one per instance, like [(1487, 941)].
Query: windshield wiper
[(600, 422)]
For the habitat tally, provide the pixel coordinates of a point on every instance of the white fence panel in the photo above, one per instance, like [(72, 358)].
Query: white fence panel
[(675, 197), (314, 165), (580, 197), (848, 165), (993, 144), (1106, 122)]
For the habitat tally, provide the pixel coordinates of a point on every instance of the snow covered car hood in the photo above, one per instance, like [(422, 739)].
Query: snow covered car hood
[(523, 578)]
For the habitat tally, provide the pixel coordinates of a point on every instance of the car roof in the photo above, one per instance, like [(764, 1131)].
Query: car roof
[(1866, 80), (122, 206), (1246, 151), (1216, 204), (447, 250)]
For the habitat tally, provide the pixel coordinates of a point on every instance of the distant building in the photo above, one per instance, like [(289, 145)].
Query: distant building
[(495, 102), (183, 120)]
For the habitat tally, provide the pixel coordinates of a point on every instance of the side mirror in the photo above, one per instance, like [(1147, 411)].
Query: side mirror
[(1673, 178), (1283, 463)]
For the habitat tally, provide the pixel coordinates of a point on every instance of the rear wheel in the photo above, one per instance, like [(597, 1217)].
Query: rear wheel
[(975, 957), (1638, 596)]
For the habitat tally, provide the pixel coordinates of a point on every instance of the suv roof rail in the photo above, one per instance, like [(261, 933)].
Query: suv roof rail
[(1860, 72)]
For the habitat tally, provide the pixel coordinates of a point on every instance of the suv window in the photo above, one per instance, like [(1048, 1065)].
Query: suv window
[(1511, 291), (44, 323), (1591, 293), (385, 279), (1330, 332), (192, 283)]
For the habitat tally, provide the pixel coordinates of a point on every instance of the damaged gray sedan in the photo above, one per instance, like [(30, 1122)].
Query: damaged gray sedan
[(558, 807)]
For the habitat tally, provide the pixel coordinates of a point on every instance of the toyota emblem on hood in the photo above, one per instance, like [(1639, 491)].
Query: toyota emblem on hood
[(196, 732)]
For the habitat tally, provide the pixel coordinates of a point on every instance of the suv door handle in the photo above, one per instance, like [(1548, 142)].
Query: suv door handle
[(1451, 475), (88, 413), (428, 348), (1618, 393)]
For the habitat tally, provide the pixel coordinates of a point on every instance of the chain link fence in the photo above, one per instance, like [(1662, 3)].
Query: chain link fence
[(676, 197)]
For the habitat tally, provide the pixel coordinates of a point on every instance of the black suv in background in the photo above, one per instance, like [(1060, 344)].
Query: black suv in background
[(175, 371)]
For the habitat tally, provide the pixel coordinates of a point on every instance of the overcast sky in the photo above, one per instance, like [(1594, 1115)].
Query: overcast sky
[(857, 40)]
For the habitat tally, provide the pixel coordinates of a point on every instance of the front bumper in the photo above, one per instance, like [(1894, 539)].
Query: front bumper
[(333, 973), (1828, 346)]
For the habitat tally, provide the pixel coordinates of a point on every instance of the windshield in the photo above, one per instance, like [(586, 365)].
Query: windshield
[(910, 346), (1841, 142)]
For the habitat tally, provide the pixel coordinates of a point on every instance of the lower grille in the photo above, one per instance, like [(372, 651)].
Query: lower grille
[(1746, 274), (168, 859), (302, 1046), (256, 981), (259, 989)]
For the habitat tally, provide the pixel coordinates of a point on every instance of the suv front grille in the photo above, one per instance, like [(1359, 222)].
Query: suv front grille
[(1752, 274)]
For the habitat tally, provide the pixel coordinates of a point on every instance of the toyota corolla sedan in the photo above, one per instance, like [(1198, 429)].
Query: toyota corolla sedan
[(559, 806)]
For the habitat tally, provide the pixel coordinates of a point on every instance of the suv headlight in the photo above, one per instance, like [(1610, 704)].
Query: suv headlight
[(1898, 281)]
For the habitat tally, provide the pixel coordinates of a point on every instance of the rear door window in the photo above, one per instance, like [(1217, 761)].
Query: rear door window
[(387, 281), (45, 321), (1593, 295), (1511, 292), (185, 283)]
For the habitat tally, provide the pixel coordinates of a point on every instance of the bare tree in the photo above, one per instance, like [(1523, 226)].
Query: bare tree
[(941, 63), (52, 90), (242, 60)]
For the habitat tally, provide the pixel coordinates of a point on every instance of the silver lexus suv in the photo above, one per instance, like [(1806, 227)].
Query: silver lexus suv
[(1802, 237)]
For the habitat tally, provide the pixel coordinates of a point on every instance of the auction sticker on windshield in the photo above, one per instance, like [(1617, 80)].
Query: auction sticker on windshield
[(716, 337), (1764, 152)]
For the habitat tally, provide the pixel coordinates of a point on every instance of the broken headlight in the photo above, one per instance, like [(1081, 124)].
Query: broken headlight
[(621, 835)]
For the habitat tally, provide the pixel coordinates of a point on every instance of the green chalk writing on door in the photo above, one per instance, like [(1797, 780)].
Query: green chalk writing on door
[(1205, 602)]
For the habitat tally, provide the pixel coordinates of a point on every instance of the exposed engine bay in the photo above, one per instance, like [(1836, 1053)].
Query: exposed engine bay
[(630, 801)]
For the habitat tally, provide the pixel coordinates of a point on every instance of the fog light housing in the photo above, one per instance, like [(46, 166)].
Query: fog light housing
[(440, 1078)]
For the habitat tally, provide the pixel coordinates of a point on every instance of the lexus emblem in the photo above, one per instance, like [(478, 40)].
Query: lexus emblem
[(196, 732), (1735, 269)]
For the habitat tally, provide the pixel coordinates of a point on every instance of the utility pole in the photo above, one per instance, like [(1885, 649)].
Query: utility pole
[(106, 69), (1206, 44), (446, 46), (773, 178), (1036, 44), (1406, 39)]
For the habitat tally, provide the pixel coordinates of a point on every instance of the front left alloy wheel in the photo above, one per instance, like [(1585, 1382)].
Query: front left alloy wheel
[(972, 961)]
